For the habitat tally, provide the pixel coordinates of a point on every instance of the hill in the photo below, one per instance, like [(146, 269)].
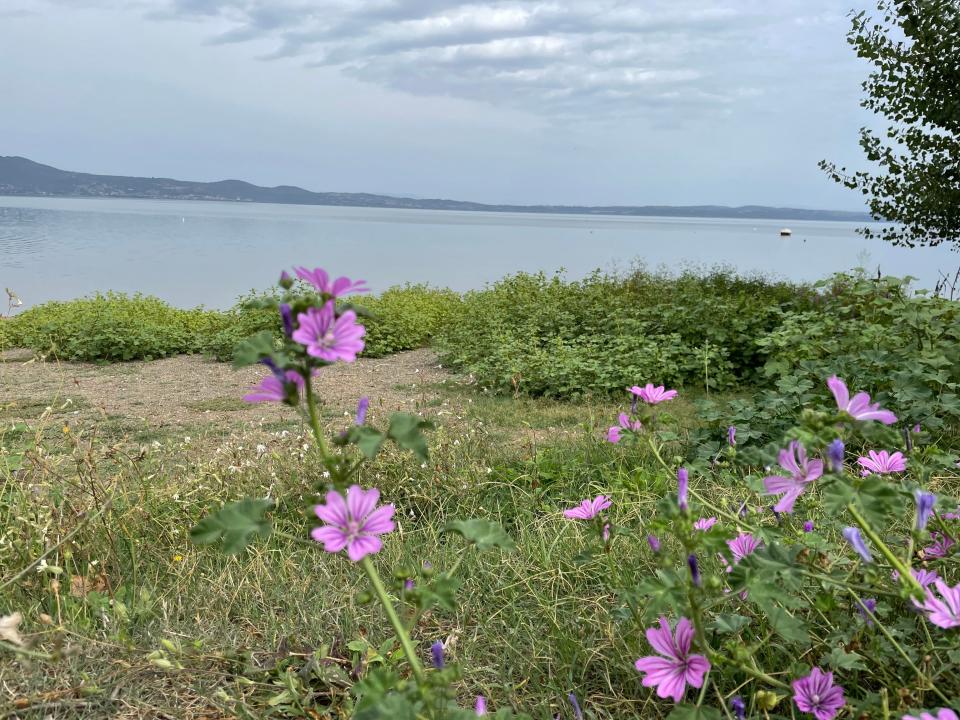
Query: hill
[(20, 176)]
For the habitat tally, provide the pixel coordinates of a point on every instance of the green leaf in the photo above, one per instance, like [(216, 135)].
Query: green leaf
[(236, 524), (253, 349), (692, 712), (729, 624), (485, 534), (367, 439), (838, 659), (784, 624), (407, 431)]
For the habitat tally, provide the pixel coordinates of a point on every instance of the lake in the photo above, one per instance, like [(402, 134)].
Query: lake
[(193, 253)]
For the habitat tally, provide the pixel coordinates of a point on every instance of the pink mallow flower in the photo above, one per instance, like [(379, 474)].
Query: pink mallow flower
[(802, 473), (671, 673), (940, 548), (816, 694), (943, 611), (328, 337), (704, 524), (613, 434), (588, 509), (742, 545), (320, 279), (883, 462), (942, 714), (272, 389), (859, 407), (653, 395), (354, 523)]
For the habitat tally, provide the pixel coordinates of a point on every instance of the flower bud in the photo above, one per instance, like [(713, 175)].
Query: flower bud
[(286, 282)]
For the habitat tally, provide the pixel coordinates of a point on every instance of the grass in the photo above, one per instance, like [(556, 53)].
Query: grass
[(169, 628)]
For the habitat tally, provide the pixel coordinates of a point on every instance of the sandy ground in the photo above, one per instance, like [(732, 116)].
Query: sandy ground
[(186, 390)]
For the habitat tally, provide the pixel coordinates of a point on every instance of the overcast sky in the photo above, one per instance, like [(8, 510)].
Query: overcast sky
[(573, 101)]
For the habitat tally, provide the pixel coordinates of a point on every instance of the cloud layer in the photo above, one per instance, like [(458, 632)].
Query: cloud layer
[(576, 58)]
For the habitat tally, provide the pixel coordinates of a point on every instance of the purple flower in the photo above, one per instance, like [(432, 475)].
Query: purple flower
[(808, 526), (683, 481), (732, 436), (362, 406), (883, 462), (940, 548), (704, 524), (921, 575), (653, 395), (354, 524), (481, 707), (694, 570), (606, 532), (671, 673), (802, 473), (286, 282), (408, 585), (588, 509), (942, 714), (328, 337), (925, 502), (273, 389), (859, 408), (943, 611), (866, 608), (835, 452), (816, 694), (654, 542), (852, 536), (742, 545), (613, 434), (319, 278), (739, 707), (286, 314), (436, 654), (916, 428), (577, 712)]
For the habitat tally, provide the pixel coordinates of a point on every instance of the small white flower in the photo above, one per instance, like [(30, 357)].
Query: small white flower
[(261, 449), (326, 474)]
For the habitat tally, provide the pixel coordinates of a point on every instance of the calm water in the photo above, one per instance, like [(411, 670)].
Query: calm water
[(192, 253)]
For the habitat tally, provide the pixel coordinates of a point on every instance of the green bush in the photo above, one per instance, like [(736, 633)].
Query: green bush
[(404, 318), (114, 327), (545, 336)]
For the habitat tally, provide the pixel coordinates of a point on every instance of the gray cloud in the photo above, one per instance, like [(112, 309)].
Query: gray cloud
[(576, 58)]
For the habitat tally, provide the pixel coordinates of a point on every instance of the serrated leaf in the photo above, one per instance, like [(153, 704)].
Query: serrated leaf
[(692, 712), (485, 534), (367, 439), (729, 624), (407, 431), (235, 524), (253, 349), (838, 659), (784, 624)]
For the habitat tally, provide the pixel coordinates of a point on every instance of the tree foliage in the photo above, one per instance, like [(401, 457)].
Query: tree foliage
[(914, 46)]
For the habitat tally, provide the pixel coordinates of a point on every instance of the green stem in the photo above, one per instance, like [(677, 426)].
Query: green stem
[(398, 628), (906, 577), (752, 672), (896, 646), (315, 418)]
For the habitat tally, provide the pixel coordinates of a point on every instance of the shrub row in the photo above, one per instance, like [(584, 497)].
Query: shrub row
[(113, 327)]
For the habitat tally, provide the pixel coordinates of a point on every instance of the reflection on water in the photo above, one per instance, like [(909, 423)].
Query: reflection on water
[(209, 252)]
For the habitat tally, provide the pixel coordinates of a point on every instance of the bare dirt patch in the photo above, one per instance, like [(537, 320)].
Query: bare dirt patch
[(187, 390)]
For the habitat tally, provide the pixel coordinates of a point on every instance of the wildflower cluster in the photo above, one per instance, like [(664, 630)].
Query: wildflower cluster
[(318, 330)]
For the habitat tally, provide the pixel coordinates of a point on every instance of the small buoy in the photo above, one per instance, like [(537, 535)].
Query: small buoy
[(183, 219), (786, 232)]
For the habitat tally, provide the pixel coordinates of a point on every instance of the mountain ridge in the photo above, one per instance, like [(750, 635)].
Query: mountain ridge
[(20, 176)]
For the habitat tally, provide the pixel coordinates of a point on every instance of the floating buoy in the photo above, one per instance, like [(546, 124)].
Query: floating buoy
[(786, 232)]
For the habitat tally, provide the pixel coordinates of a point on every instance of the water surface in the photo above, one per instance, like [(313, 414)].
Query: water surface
[(192, 253)]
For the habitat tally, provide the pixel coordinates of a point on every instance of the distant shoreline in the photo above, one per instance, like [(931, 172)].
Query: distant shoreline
[(20, 177)]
